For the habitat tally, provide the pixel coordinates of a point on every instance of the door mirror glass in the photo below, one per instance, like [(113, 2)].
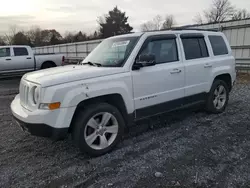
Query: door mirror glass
[(144, 60), (147, 58)]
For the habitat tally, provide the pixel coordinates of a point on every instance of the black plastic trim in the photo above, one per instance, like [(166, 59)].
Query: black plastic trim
[(193, 29), (170, 105), (43, 130), (191, 35)]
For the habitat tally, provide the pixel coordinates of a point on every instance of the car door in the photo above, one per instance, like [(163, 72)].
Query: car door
[(197, 64), (21, 59), (5, 58), (160, 87)]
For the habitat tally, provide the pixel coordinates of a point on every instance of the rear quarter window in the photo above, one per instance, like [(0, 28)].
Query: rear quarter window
[(218, 45)]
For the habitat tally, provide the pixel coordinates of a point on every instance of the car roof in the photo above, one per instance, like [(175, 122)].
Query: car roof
[(14, 46)]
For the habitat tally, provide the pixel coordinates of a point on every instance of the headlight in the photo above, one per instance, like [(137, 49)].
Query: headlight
[(36, 95)]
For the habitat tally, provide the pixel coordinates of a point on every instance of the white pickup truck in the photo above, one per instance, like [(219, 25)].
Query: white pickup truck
[(124, 79), (15, 60)]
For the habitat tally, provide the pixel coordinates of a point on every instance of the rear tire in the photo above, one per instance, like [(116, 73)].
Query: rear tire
[(218, 97), (97, 129)]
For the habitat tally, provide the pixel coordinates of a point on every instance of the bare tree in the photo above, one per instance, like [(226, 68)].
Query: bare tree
[(2, 41), (157, 20), (169, 22), (35, 35), (241, 14), (148, 26), (198, 19), (69, 37), (154, 24), (13, 29), (21, 39), (219, 11), (93, 36)]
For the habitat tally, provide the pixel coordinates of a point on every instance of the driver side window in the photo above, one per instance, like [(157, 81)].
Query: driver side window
[(164, 50), (4, 52)]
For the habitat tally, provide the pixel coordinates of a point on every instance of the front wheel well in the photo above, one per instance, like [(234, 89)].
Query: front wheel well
[(112, 99), (226, 78)]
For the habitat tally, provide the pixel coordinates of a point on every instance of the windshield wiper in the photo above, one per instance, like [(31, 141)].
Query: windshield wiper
[(92, 64)]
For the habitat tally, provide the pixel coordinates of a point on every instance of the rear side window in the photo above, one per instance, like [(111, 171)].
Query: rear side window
[(194, 48), (4, 52), (218, 45), (20, 51)]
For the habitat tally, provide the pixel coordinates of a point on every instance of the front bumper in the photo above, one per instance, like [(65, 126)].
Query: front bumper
[(43, 130), (44, 123)]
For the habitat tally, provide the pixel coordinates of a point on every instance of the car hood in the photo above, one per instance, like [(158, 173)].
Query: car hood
[(69, 73)]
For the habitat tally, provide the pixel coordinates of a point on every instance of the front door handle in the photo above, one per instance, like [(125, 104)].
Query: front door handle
[(207, 65), (175, 71), (28, 58), (8, 59)]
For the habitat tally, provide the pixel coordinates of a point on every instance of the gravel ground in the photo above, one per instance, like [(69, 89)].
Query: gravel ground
[(184, 149)]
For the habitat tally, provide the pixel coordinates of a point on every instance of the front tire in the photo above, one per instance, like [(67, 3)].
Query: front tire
[(218, 97), (98, 128)]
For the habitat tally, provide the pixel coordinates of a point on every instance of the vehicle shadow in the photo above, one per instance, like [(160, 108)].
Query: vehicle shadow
[(165, 120)]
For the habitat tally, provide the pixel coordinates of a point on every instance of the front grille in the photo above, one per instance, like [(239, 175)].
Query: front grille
[(24, 93)]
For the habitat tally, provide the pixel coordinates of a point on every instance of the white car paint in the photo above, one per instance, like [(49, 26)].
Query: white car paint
[(156, 84), (55, 76), (13, 64)]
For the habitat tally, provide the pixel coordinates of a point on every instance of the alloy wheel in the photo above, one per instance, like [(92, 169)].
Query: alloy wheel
[(220, 97), (101, 130)]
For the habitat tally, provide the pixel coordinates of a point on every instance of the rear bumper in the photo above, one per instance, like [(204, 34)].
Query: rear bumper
[(43, 130)]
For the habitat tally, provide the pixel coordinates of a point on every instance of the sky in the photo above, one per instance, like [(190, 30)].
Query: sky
[(75, 15)]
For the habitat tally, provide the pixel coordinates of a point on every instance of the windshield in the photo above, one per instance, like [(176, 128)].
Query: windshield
[(112, 52)]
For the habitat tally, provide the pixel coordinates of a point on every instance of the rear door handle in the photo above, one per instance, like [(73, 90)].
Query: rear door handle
[(28, 58), (175, 71), (207, 65), (8, 59)]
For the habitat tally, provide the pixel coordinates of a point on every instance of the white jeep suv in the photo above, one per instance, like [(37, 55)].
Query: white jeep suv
[(124, 79)]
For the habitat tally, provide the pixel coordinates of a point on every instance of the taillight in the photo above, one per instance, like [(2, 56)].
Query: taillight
[(63, 59)]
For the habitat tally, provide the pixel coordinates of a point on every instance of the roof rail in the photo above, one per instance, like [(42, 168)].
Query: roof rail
[(195, 29)]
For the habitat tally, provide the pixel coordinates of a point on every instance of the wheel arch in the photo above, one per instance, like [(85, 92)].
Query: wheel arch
[(226, 77), (48, 63), (112, 99)]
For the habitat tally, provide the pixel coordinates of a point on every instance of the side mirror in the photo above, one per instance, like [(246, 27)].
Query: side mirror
[(144, 61), (147, 58)]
